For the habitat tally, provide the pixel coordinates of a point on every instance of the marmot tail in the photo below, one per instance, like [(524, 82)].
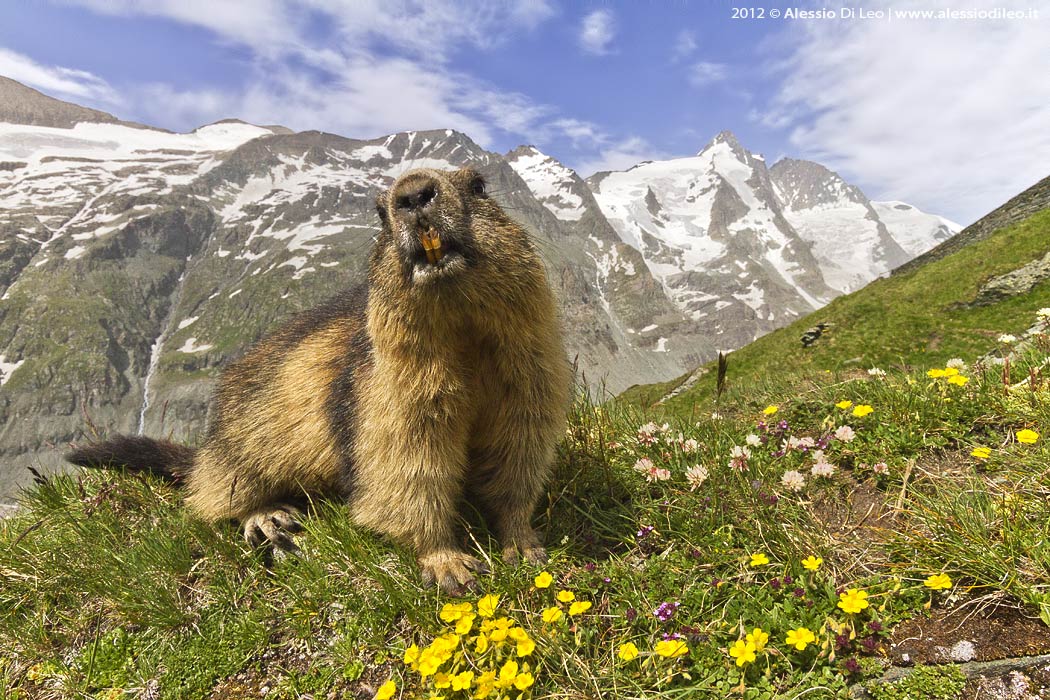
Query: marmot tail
[(137, 454)]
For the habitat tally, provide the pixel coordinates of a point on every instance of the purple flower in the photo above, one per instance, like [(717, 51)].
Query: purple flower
[(645, 531), (665, 611), (668, 636), (869, 644), (842, 641), (590, 566), (875, 626), (788, 580), (631, 614), (774, 584), (851, 665)]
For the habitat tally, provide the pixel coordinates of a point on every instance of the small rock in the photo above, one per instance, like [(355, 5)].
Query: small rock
[(963, 650)]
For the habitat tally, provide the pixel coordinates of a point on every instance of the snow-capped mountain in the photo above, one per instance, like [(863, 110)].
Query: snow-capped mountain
[(746, 248), (915, 230), (851, 244), (712, 231), (135, 262)]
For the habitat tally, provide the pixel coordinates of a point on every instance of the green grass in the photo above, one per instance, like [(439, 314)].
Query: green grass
[(921, 318), (110, 588)]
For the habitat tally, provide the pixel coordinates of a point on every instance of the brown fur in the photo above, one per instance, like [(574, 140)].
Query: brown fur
[(433, 384)]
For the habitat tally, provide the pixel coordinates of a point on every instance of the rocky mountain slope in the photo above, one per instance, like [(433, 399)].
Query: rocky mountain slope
[(134, 262)]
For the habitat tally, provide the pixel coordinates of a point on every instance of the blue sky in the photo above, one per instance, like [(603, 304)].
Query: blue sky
[(950, 115)]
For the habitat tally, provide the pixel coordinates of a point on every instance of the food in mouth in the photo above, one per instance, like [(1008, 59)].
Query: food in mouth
[(431, 245)]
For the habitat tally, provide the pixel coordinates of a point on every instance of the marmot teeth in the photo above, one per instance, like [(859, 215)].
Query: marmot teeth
[(431, 245)]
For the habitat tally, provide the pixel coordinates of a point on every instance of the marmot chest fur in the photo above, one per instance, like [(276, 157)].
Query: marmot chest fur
[(444, 377)]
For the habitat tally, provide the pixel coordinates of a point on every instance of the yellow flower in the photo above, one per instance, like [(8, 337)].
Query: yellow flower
[(524, 681), (544, 579), (981, 452), (411, 656), (507, 674), (464, 623), (758, 638), (487, 605), (579, 607), (552, 615), (958, 380), (429, 663), (938, 582), (386, 691), (453, 611), (800, 638), (486, 684), (936, 374), (525, 647), (670, 648), (862, 409), (566, 596), (759, 559), (812, 563), (628, 652), (844, 404), (1027, 436), (853, 600), (462, 681), (442, 680), (743, 652), (482, 643), (770, 410)]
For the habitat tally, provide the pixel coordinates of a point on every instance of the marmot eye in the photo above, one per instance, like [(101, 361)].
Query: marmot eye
[(477, 187)]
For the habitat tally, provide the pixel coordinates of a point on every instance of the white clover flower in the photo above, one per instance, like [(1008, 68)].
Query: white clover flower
[(739, 451), (845, 434), (1043, 314), (956, 363), (753, 440), (690, 446), (823, 468), (696, 475), (793, 480), (660, 474), (880, 468), (876, 372), (1006, 338)]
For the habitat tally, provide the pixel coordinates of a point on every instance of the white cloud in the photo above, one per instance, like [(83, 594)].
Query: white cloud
[(620, 156), (706, 72), (949, 115), (684, 46), (56, 80), (597, 32), (374, 67)]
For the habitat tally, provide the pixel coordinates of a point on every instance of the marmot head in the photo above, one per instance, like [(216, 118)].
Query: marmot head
[(427, 215)]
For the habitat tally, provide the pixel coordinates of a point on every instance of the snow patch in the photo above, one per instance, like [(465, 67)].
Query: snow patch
[(190, 346), (8, 368)]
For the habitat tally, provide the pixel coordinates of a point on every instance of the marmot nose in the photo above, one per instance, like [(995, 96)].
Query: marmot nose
[(415, 194)]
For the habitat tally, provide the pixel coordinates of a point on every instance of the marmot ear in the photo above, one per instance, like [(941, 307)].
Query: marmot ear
[(381, 206)]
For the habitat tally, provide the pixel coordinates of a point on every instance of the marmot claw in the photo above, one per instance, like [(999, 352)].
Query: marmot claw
[(273, 527)]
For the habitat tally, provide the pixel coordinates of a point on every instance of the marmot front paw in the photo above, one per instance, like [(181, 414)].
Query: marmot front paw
[(451, 570)]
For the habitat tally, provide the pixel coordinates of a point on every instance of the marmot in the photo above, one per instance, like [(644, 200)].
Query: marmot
[(443, 378)]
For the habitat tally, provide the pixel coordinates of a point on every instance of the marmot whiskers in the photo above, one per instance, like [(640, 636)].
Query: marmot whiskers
[(444, 377)]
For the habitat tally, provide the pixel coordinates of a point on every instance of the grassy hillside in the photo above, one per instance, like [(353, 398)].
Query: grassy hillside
[(777, 547), (919, 318), (768, 553)]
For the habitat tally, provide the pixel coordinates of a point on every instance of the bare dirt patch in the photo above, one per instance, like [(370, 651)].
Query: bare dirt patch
[(964, 634)]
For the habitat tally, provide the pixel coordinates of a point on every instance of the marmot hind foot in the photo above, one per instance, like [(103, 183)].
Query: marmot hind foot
[(274, 527)]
